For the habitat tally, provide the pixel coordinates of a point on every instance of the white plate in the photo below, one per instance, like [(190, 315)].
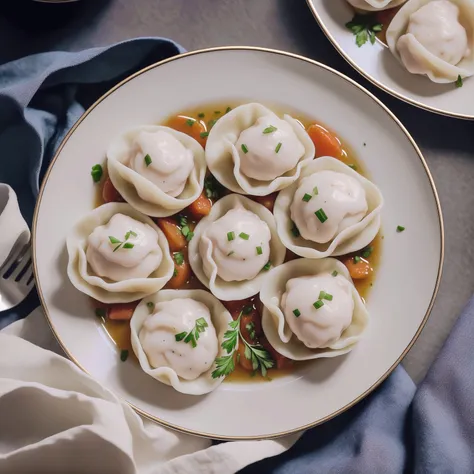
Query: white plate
[(400, 300), (379, 66)]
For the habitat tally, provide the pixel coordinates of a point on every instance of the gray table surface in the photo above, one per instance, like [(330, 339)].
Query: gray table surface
[(447, 144)]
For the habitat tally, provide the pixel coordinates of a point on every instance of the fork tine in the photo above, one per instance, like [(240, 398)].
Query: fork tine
[(21, 261), (23, 270), (27, 275)]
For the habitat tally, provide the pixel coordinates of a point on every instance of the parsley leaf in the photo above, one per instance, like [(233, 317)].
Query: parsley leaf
[(364, 28), (193, 335), (178, 258)]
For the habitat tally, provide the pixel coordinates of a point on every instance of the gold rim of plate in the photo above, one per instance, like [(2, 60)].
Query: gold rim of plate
[(374, 81), (314, 63)]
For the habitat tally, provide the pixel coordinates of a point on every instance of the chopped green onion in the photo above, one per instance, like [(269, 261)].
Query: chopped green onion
[(335, 273), (128, 245), (175, 273), (297, 313), (204, 134), (354, 167), (295, 231), (244, 148), (315, 191), (211, 123), (270, 129), (201, 115), (114, 240), (217, 112), (322, 294), (318, 304), (150, 305), (179, 337), (321, 215), (277, 149), (400, 228), (228, 110), (367, 252), (148, 160), (259, 251), (230, 236), (267, 266), (189, 236), (356, 259), (100, 312), (327, 296), (247, 309), (190, 122), (96, 173), (244, 236), (307, 197), (124, 355), (178, 258), (459, 82)]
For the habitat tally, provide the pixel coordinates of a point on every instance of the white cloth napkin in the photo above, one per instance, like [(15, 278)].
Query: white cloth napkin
[(56, 419)]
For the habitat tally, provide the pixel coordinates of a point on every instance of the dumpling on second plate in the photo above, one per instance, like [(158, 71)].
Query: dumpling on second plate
[(330, 210), (117, 255), (312, 309), (375, 5), (435, 38), (234, 247), (159, 171), (177, 336), (250, 150)]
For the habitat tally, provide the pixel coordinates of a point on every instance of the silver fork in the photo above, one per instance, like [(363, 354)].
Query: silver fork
[(16, 275)]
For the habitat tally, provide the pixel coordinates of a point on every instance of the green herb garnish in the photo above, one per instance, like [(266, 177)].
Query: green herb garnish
[(277, 149), (367, 252), (186, 231), (150, 305), (297, 312), (211, 186), (190, 122), (204, 134), (230, 236), (459, 82), (315, 191), (123, 355), (247, 309), (193, 335), (267, 266), (259, 251), (295, 231), (307, 197), (217, 112), (147, 160), (175, 273), (325, 296), (201, 115), (123, 243), (211, 123), (244, 148), (318, 304), (244, 236), (96, 173), (357, 259), (321, 215), (354, 167), (228, 110), (251, 329), (269, 129), (335, 273), (364, 28), (259, 356), (178, 258), (400, 228)]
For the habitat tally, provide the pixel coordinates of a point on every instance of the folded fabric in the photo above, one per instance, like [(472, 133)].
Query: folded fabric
[(56, 419)]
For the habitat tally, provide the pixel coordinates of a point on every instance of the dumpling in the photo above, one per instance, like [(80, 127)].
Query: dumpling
[(234, 247), (375, 5), (117, 255), (177, 336), (312, 309), (250, 150), (435, 38), (330, 210), (159, 171)]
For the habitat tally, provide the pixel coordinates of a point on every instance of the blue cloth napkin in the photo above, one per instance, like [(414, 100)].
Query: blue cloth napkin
[(397, 429)]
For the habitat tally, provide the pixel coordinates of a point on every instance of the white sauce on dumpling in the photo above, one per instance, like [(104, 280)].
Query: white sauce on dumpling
[(374, 5), (436, 26), (124, 248), (240, 245), (318, 327), (341, 197), (163, 160), (268, 149), (158, 338)]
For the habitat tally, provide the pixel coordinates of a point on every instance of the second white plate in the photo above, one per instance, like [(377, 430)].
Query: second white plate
[(379, 66)]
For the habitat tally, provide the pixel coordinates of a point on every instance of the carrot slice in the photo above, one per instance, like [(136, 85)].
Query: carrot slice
[(109, 193), (176, 239), (201, 207), (358, 270), (182, 273), (121, 311), (190, 126), (325, 142)]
